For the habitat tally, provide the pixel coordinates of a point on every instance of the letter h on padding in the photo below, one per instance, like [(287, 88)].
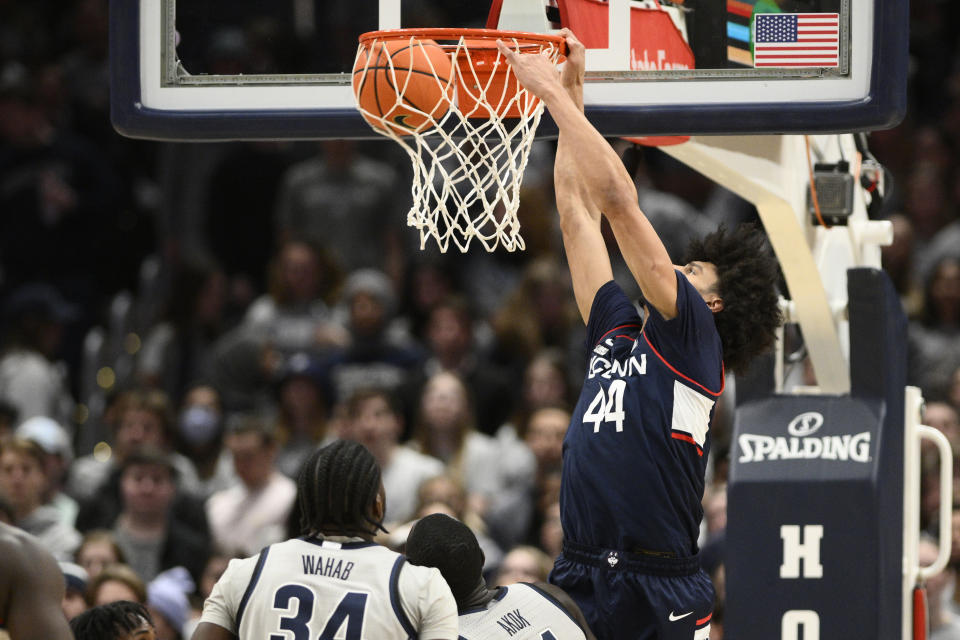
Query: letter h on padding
[(808, 551)]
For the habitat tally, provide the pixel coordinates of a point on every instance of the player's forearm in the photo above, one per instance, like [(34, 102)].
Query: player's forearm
[(579, 216), (574, 89), (570, 189), (572, 197), (602, 173), (580, 227)]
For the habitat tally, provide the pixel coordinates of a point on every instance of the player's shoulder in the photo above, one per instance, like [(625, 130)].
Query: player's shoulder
[(17, 546), (562, 600), (238, 564), (415, 577), (610, 293), (378, 553), (693, 320), (239, 571), (553, 594), (611, 310), (690, 300), (23, 559), (368, 551)]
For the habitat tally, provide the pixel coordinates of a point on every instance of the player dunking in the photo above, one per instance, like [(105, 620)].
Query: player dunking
[(334, 582), (524, 611), (635, 453)]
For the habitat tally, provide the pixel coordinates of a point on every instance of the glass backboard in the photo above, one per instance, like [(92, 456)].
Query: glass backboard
[(245, 69)]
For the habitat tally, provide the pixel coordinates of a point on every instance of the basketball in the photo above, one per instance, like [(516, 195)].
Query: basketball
[(406, 86)]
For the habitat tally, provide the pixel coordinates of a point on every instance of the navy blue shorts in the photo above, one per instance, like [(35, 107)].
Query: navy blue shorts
[(629, 596)]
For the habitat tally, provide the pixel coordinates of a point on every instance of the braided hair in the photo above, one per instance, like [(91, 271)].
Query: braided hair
[(111, 621), (338, 487)]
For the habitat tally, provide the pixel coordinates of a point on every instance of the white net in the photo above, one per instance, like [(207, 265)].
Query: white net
[(471, 144)]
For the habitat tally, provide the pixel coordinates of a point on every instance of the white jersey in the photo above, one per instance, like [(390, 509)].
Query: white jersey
[(522, 612), (331, 589)]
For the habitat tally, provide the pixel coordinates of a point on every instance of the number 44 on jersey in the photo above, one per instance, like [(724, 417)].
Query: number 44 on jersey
[(607, 406)]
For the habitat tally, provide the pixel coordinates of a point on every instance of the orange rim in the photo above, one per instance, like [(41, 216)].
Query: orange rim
[(478, 38), (474, 49)]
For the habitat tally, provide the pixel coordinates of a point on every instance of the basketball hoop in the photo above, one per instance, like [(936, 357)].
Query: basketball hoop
[(467, 127)]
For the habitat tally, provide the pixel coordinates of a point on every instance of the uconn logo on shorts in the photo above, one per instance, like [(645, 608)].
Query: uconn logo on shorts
[(801, 443)]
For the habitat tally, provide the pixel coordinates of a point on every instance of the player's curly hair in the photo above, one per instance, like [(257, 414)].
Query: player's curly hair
[(748, 274), (338, 486)]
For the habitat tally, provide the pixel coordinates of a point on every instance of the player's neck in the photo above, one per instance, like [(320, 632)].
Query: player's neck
[(479, 597), (332, 532)]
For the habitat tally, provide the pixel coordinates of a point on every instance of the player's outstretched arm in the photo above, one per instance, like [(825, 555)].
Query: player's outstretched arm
[(567, 603), (607, 181), (34, 586), (579, 216)]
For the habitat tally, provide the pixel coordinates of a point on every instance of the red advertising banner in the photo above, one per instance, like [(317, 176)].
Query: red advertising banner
[(655, 41)]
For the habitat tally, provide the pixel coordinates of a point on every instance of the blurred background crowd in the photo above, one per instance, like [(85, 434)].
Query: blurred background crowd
[(183, 323)]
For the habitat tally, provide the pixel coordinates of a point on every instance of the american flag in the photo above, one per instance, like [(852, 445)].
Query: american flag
[(796, 40)]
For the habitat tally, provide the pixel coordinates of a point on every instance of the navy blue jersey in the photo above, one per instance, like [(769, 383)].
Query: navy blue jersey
[(635, 453)]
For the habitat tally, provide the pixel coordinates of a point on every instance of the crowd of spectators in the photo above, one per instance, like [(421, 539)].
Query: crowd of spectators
[(258, 299)]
